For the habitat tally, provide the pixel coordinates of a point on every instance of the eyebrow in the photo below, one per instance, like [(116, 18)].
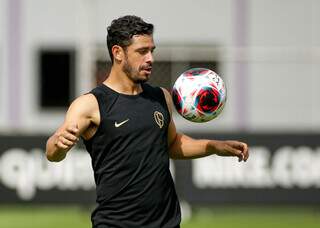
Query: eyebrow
[(146, 48)]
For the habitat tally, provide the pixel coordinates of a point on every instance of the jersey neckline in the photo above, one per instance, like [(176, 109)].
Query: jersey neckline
[(123, 94)]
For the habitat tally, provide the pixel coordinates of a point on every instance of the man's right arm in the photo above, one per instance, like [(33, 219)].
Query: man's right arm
[(83, 112)]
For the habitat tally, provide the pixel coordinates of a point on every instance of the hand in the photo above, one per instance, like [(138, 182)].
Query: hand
[(230, 148), (67, 138)]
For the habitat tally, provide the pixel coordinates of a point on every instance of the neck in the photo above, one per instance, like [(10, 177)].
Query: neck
[(119, 81)]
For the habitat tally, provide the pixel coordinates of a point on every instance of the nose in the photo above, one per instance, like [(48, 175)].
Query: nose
[(149, 57)]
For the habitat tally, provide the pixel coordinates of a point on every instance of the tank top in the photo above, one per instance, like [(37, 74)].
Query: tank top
[(130, 159)]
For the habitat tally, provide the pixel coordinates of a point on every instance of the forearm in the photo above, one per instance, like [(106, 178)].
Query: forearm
[(54, 153), (185, 147)]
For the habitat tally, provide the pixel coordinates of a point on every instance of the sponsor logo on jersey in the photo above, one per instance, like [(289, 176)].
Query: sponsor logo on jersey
[(121, 123)]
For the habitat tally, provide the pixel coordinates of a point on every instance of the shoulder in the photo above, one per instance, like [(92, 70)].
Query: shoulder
[(160, 93), (167, 96), (166, 93), (86, 104), (155, 89), (87, 99)]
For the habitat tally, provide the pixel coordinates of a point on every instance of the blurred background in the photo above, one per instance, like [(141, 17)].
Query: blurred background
[(267, 52)]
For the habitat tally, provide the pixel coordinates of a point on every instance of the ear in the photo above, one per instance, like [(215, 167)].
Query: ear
[(117, 52)]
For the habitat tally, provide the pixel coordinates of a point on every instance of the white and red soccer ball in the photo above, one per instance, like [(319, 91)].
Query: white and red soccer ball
[(199, 95)]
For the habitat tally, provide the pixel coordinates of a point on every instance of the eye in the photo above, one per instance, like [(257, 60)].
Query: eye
[(143, 51)]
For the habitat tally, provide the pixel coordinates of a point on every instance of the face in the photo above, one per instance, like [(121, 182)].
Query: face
[(138, 58)]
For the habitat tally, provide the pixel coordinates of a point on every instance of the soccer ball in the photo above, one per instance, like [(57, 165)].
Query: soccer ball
[(199, 95)]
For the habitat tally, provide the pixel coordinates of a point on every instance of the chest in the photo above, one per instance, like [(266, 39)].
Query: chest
[(137, 118)]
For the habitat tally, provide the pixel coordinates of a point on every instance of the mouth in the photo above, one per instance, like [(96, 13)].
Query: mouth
[(147, 70)]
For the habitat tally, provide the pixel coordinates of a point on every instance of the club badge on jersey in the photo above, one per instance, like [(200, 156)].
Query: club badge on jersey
[(158, 117)]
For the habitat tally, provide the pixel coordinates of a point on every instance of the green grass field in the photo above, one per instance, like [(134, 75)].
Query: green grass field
[(220, 217)]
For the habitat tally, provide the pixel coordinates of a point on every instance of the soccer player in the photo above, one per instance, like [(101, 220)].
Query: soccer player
[(127, 128)]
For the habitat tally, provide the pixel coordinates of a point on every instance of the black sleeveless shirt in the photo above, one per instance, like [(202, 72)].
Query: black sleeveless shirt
[(130, 159)]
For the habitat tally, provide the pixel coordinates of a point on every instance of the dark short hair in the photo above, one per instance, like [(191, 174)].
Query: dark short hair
[(121, 31)]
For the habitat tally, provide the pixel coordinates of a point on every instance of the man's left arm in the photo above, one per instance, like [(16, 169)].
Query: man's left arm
[(182, 146)]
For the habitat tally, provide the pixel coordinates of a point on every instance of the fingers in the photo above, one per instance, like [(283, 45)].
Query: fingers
[(240, 150), (66, 141), (231, 150), (68, 137), (60, 145), (235, 152), (73, 129), (245, 151)]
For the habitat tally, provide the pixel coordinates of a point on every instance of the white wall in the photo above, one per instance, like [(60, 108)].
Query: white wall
[(284, 60), (279, 54), (55, 24), (177, 21), (3, 77)]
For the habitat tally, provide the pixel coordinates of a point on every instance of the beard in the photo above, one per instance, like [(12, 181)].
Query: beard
[(133, 74)]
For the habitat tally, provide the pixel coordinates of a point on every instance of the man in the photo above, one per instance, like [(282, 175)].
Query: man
[(128, 130)]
